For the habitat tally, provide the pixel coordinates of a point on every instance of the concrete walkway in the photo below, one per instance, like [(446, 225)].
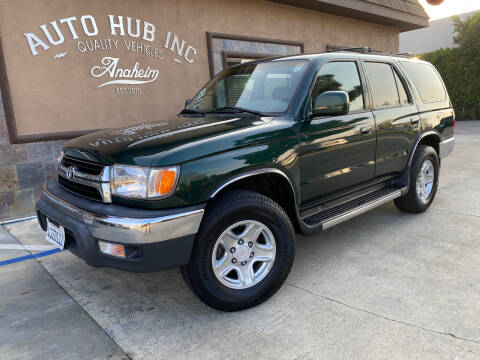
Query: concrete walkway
[(39, 320), (385, 285)]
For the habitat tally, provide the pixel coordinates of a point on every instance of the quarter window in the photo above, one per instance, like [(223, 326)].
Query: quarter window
[(426, 81), (382, 83), (340, 76)]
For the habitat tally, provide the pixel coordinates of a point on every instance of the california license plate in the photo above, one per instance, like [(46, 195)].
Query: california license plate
[(55, 234)]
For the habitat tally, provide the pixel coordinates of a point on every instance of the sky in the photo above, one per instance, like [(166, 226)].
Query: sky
[(450, 7)]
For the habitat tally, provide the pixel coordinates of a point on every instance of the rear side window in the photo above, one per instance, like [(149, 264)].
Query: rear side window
[(426, 81), (383, 85)]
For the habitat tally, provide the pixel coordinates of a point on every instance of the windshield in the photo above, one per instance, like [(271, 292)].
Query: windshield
[(266, 87)]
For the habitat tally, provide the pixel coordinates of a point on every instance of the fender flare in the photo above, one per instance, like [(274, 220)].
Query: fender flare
[(423, 135), (250, 173)]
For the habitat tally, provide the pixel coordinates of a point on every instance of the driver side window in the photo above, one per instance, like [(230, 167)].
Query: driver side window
[(340, 76)]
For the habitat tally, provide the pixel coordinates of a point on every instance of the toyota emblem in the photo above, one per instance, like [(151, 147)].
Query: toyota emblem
[(71, 172)]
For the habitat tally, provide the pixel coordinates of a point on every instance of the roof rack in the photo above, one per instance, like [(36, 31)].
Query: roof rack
[(367, 50), (406, 54), (362, 49)]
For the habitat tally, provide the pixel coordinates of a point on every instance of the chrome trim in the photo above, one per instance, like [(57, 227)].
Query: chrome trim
[(446, 147), (252, 173), (106, 192), (360, 210), (100, 182), (103, 177), (131, 230), (425, 134)]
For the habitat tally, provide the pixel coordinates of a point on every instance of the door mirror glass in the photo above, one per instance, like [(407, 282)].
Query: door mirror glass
[(188, 101), (331, 103)]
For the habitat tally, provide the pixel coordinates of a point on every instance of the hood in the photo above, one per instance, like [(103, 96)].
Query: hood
[(171, 141)]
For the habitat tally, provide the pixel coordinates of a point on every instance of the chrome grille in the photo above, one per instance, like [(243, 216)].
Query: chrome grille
[(86, 191), (85, 178), (83, 166)]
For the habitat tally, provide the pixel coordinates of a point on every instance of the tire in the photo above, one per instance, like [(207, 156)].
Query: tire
[(238, 211), (415, 200)]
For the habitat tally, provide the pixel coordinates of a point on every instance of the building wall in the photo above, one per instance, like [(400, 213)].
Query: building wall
[(437, 36), (24, 167), (23, 170)]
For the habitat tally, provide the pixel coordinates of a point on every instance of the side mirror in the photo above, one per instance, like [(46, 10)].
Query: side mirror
[(331, 103), (188, 101)]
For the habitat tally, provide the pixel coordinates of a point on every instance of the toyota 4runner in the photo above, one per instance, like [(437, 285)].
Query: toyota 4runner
[(266, 149)]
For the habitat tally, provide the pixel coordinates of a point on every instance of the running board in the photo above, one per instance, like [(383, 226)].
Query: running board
[(338, 214)]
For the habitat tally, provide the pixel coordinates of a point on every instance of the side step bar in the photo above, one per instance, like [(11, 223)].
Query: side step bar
[(346, 211)]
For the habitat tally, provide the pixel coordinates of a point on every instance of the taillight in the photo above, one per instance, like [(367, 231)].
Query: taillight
[(454, 120)]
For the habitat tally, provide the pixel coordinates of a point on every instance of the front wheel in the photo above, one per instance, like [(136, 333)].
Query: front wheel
[(424, 173), (243, 251)]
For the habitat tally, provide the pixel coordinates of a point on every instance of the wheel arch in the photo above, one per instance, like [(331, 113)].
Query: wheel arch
[(271, 182), (430, 138)]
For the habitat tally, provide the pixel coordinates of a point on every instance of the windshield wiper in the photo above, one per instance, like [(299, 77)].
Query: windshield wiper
[(237, 109), (191, 111)]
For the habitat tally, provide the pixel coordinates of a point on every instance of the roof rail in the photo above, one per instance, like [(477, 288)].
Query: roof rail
[(362, 49), (367, 50), (406, 54)]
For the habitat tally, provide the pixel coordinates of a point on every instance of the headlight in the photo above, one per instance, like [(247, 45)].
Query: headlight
[(143, 183)]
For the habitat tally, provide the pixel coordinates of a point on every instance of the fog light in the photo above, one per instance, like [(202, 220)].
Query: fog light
[(112, 249)]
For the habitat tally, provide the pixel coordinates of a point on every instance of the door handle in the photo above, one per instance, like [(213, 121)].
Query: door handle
[(365, 130)]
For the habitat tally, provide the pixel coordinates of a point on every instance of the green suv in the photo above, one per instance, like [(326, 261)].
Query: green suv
[(266, 149)]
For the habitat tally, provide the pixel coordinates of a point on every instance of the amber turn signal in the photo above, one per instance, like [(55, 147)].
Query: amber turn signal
[(112, 249), (163, 181)]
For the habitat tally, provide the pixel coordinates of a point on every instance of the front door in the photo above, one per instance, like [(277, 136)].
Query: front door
[(337, 152)]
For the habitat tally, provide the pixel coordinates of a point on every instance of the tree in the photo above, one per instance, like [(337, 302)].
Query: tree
[(460, 67)]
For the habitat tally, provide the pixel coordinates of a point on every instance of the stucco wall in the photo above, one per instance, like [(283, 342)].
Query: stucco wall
[(58, 95), (23, 170)]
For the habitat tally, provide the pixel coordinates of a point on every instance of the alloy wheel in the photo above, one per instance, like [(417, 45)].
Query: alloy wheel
[(425, 180), (243, 254)]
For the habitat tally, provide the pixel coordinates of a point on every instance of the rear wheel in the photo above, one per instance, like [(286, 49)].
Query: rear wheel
[(243, 252), (424, 173)]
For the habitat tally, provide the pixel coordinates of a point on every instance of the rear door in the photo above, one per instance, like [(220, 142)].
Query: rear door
[(396, 116), (337, 152)]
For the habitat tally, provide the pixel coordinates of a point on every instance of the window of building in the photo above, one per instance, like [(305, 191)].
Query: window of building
[(232, 58), (227, 50), (343, 76), (382, 84), (426, 81)]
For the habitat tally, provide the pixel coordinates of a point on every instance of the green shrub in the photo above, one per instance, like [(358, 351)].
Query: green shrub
[(460, 67)]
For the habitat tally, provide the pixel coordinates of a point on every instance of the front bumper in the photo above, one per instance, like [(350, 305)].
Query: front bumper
[(157, 239)]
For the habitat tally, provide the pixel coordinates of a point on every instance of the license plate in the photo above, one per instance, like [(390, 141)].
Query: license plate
[(55, 234)]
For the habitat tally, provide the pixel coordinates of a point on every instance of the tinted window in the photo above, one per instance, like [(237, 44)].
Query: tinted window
[(382, 84), (341, 76), (401, 89), (426, 81)]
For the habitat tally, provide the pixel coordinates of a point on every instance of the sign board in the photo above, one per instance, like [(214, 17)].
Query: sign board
[(70, 67)]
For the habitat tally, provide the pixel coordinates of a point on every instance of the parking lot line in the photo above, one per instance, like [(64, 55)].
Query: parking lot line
[(26, 247), (28, 257)]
